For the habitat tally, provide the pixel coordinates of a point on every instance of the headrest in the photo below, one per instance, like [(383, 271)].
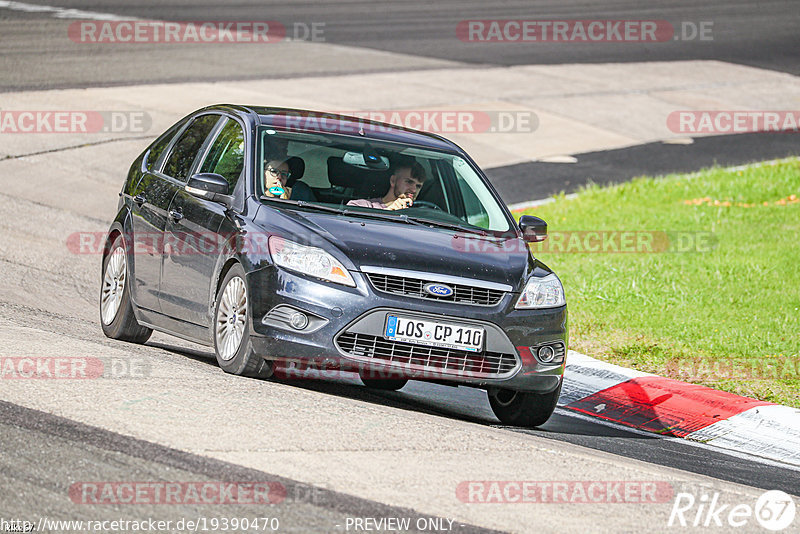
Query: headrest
[(297, 167), (366, 183)]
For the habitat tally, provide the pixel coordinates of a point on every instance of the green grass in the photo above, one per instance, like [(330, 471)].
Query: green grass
[(727, 316)]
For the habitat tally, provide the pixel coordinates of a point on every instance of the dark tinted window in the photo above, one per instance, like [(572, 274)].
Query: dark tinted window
[(226, 156), (185, 150), (157, 148)]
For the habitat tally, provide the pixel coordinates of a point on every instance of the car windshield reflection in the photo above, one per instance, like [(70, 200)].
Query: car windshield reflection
[(379, 179)]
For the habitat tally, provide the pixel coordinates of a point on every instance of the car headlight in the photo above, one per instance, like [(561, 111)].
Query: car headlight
[(312, 261), (545, 292)]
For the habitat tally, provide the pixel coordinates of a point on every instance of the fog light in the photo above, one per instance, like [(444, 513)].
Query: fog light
[(299, 320), (546, 354)]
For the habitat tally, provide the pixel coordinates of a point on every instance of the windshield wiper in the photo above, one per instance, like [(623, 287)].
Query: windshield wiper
[(400, 217), (319, 207), (452, 226)]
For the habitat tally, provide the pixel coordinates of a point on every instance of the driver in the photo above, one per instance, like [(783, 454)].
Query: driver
[(404, 185)]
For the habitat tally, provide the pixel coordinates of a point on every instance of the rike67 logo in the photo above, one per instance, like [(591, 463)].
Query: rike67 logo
[(774, 510)]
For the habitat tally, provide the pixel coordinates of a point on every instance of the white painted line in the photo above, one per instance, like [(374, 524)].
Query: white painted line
[(540, 202), (678, 141), (558, 159), (61, 12)]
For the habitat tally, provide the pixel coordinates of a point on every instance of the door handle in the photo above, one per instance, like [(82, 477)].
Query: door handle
[(176, 215), (139, 199)]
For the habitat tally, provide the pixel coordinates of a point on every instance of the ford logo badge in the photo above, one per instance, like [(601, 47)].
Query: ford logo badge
[(438, 290)]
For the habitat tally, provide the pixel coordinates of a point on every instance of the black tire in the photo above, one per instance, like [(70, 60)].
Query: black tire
[(385, 384), (524, 408), (244, 361), (123, 326)]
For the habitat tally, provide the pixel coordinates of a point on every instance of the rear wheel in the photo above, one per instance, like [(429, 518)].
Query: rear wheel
[(523, 408), (116, 310), (232, 345), (386, 384)]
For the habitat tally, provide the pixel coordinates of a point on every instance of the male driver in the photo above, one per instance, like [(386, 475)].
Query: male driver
[(404, 185)]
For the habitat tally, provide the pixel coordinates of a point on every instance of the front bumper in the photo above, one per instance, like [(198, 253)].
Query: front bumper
[(339, 313)]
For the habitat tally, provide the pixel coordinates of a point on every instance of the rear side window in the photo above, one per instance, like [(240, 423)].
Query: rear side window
[(158, 147), (183, 154), (226, 155)]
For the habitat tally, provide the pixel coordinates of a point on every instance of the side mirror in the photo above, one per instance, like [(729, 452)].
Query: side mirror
[(533, 228), (210, 186)]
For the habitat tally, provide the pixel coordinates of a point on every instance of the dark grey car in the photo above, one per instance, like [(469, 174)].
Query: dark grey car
[(205, 248)]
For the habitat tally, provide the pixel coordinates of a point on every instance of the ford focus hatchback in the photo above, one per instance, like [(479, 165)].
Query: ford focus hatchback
[(292, 238)]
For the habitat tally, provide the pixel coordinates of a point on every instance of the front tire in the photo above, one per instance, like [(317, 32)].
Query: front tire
[(116, 310), (524, 408), (231, 329)]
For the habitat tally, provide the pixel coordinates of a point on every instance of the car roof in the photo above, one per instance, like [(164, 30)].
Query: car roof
[(304, 120)]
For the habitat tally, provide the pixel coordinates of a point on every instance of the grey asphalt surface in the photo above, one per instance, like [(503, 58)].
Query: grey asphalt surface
[(762, 34), (42, 453), (37, 54), (470, 405), (45, 455)]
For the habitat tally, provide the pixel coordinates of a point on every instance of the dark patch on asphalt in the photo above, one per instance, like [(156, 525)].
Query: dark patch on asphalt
[(535, 180), (297, 492)]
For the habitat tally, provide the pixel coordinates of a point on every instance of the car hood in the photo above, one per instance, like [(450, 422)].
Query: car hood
[(377, 243)]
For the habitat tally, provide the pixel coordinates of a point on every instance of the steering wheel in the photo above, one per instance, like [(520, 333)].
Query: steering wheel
[(425, 204)]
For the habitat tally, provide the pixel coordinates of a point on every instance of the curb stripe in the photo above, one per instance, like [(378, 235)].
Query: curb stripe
[(663, 406), (771, 431)]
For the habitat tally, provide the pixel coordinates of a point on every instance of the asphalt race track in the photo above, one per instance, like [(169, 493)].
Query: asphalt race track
[(762, 34), (165, 413)]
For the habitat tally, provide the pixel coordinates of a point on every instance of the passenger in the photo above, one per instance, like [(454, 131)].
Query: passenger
[(276, 174), (404, 185)]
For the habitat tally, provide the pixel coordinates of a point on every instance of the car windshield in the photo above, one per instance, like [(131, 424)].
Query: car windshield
[(368, 177)]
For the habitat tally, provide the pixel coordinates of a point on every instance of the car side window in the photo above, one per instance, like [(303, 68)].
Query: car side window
[(160, 144), (226, 155), (183, 154)]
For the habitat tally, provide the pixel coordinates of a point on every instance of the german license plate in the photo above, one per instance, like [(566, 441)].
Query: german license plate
[(434, 333)]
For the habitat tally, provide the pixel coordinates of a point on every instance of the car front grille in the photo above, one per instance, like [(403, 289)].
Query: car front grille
[(414, 287), (447, 361)]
